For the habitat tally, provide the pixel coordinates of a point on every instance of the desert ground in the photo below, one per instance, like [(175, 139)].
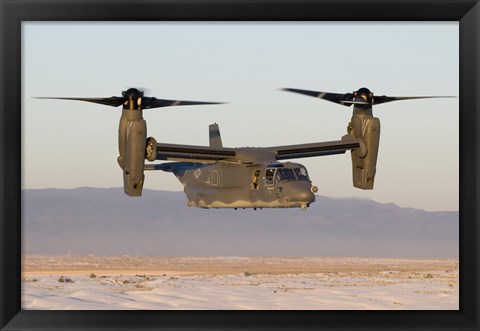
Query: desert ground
[(291, 283)]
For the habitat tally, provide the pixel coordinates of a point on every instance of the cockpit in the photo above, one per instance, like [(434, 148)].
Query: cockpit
[(274, 175)]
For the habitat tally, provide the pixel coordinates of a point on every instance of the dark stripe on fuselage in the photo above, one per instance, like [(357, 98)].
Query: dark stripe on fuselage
[(177, 156), (192, 150)]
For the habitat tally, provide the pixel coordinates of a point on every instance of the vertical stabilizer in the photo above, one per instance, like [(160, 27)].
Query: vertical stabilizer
[(214, 135)]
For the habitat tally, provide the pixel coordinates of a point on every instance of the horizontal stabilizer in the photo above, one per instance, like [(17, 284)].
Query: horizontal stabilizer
[(175, 167)]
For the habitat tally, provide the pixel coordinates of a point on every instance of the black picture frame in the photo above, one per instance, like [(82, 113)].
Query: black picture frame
[(13, 12)]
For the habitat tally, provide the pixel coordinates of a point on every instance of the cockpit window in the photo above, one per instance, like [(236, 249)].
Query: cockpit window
[(284, 174), (301, 173), (269, 173), (276, 175)]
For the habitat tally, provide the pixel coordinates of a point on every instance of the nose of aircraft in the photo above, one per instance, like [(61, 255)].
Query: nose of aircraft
[(299, 192)]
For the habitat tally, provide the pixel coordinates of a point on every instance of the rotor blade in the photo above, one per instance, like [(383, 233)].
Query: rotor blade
[(112, 101), (342, 99), (383, 98), (148, 103)]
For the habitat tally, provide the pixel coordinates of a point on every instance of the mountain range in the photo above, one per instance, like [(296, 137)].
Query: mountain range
[(104, 221)]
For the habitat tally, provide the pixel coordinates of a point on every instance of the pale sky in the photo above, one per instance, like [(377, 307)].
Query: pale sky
[(68, 144)]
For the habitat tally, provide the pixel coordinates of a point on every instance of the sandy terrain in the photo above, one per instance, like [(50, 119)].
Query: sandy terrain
[(133, 282)]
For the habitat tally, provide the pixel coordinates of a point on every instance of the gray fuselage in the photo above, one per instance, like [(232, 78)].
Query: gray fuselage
[(230, 184)]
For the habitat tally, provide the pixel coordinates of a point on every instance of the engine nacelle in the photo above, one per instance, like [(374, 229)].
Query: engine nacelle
[(366, 129), (132, 135), (133, 177)]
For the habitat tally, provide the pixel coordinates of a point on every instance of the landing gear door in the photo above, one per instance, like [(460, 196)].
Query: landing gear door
[(215, 179)]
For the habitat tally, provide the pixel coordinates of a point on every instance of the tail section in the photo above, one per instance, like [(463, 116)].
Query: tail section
[(214, 135)]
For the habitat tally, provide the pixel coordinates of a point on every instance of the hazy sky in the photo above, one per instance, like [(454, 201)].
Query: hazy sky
[(69, 144)]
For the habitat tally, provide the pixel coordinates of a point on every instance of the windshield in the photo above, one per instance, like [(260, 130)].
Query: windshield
[(276, 175), (301, 173), (284, 174)]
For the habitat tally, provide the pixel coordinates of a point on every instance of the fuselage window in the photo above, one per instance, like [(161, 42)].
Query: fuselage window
[(269, 173), (284, 174), (301, 173), (214, 177), (255, 179)]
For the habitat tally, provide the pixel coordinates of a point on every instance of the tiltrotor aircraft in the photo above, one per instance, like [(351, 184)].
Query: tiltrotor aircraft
[(252, 177)]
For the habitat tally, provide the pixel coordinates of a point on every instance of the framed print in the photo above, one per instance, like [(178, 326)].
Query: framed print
[(271, 226)]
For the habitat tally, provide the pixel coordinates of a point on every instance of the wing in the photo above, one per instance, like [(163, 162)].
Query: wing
[(315, 149), (191, 153), (207, 154)]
